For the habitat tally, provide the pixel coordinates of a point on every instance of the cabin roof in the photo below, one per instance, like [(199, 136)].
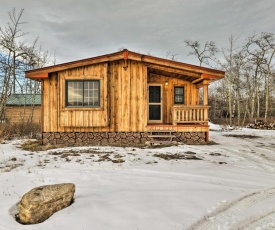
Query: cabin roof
[(23, 99), (156, 65)]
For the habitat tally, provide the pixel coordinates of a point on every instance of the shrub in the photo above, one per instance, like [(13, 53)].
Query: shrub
[(19, 130)]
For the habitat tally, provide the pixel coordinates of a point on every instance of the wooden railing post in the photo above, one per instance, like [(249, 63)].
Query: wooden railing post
[(174, 116)]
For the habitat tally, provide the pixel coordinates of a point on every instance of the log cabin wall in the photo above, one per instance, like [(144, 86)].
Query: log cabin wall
[(50, 109), (84, 118), (128, 96), (123, 99)]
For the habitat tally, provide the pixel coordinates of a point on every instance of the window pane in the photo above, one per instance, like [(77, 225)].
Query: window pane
[(179, 95), (91, 93), (178, 90), (154, 94), (83, 93), (154, 112), (178, 99), (75, 93)]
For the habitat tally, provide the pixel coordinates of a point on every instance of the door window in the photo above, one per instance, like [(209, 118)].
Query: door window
[(155, 107)]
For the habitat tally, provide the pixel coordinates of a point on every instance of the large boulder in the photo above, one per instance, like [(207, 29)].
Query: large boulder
[(40, 203)]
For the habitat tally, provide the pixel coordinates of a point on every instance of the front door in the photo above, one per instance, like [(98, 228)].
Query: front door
[(155, 104)]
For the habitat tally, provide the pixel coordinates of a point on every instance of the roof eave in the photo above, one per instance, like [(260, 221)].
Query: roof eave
[(39, 74), (43, 73), (175, 64)]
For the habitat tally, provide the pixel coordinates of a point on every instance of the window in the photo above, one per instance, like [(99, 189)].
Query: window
[(178, 95), (83, 93)]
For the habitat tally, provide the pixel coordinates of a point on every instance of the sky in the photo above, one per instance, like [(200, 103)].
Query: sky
[(86, 28)]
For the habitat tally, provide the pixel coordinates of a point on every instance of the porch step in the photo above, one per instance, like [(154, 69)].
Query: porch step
[(171, 136), (160, 142), (161, 136), (161, 131)]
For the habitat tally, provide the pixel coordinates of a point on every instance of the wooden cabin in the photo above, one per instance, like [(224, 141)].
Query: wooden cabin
[(23, 108), (123, 98)]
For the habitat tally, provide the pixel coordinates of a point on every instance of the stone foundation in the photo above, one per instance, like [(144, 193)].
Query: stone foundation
[(117, 138), (190, 137)]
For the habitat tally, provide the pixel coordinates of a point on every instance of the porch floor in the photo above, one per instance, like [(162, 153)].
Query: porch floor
[(196, 127)]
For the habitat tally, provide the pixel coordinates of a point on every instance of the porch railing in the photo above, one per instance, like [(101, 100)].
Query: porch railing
[(190, 114)]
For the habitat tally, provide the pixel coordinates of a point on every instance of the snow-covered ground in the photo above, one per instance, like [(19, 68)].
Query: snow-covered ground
[(231, 187)]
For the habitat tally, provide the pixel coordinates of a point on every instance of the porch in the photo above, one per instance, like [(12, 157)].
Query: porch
[(185, 118)]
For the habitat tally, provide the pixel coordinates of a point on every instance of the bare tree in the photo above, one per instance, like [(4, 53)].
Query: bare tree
[(203, 53), (171, 56), (249, 86), (17, 56), (234, 60), (262, 49)]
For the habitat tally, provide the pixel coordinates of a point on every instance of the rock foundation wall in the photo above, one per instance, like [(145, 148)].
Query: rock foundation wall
[(105, 138)]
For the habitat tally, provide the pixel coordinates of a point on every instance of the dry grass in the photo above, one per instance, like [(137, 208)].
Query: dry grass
[(19, 130), (177, 156), (117, 161), (31, 145), (64, 155), (242, 136), (10, 164), (36, 145)]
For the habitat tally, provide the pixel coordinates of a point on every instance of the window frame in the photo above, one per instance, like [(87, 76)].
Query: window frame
[(82, 106), (183, 95), (155, 103)]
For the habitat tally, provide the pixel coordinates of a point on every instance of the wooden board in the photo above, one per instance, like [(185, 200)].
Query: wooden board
[(16, 114), (123, 98)]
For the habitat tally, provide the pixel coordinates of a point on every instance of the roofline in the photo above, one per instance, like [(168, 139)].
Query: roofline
[(171, 63), (9, 104), (125, 54), (24, 94), (74, 64)]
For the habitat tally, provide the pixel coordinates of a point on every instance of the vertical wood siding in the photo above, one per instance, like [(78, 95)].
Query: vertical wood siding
[(123, 100)]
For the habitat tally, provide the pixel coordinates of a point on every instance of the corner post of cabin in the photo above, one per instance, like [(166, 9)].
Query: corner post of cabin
[(205, 100), (205, 103), (205, 92)]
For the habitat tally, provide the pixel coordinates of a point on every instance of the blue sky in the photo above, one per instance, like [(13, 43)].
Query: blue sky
[(87, 28)]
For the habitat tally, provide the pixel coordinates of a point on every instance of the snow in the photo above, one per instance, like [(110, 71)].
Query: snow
[(232, 187)]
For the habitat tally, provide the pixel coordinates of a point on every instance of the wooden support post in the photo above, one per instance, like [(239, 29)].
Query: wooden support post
[(206, 136), (205, 92)]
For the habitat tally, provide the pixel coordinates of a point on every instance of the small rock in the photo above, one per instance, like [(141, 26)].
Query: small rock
[(148, 143), (40, 203)]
